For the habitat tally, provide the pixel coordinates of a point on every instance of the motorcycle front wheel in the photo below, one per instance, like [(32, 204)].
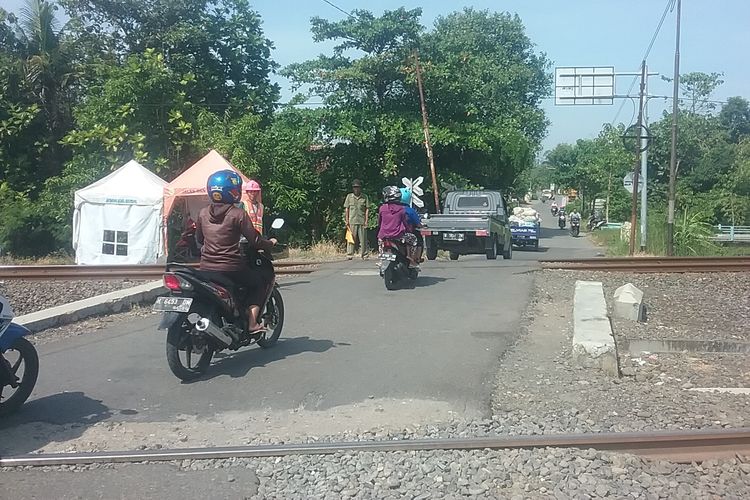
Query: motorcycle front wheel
[(181, 348), (20, 357), (273, 319)]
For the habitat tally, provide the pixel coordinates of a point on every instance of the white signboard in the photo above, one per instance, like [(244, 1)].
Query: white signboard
[(416, 191), (627, 182), (584, 85)]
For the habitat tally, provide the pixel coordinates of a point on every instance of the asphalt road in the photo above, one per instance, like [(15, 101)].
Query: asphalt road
[(346, 341)]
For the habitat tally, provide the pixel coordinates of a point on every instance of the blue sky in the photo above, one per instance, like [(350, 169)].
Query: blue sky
[(715, 37)]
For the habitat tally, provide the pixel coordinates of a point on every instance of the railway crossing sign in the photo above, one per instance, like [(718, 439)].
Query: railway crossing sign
[(416, 191)]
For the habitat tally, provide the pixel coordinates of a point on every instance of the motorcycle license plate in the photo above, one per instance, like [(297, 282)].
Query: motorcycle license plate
[(173, 304), (388, 256), (453, 236)]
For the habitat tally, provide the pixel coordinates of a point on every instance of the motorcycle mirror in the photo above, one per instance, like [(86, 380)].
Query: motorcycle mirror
[(277, 224)]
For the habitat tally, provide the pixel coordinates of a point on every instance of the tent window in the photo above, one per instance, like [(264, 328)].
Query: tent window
[(115, 242)]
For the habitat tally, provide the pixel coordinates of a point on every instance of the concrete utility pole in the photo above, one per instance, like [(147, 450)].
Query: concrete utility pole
[(426, 127), (673, 157), (636, 169)]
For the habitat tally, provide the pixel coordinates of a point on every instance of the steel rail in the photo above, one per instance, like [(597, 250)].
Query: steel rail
[(676, 446), (654, 264), (150, 271)]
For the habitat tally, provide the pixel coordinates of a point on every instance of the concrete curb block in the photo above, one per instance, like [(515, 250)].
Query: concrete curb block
[(593, 340), (629, 303), (107, 303)]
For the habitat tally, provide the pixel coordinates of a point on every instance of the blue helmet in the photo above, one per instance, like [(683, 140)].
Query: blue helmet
[(406, 196), (224, 186)]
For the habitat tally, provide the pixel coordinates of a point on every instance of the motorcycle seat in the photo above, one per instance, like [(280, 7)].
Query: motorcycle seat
[(217, 278)]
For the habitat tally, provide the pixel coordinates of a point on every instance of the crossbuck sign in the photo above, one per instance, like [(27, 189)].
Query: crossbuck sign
[(416, 191)]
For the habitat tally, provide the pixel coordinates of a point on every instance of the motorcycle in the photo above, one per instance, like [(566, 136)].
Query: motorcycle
[(575, 226), (561, 220), (205, 312), (554, 211), (394, 265), (595, 223), (19, 362)]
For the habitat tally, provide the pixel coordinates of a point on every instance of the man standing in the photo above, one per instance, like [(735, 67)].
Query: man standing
[(356, 215)]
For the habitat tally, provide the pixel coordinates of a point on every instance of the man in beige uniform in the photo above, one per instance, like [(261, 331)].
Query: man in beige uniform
[(356, 214)]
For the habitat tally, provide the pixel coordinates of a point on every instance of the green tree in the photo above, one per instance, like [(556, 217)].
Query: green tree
[(221, 42), (735, 118), (36, 93)]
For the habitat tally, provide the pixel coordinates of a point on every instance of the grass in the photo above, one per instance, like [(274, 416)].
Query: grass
[(692, 238), (55, 259), (321, 251)]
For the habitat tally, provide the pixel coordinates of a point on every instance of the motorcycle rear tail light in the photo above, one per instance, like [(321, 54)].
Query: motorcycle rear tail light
[(175, 283), (482, 232)]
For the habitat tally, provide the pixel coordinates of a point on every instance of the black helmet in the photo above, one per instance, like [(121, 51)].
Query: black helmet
[(391, 193), (357, 183)]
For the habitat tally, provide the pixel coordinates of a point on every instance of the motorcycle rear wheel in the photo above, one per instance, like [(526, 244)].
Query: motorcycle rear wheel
[(389, 277), (273, 319), (28, 357), (180, 342)]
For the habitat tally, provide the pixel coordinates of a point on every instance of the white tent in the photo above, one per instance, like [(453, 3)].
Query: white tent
[(117, 219)]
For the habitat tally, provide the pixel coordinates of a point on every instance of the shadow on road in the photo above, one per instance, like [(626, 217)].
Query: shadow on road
[(240, 363), (424, 281), (74, 410), (285, 284)]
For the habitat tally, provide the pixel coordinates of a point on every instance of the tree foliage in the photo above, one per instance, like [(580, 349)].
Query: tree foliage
[(712, 152), (165, 81)]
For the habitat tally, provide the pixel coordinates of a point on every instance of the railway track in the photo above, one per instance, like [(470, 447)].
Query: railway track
[(677, 446), (151, 271), (653, 264)]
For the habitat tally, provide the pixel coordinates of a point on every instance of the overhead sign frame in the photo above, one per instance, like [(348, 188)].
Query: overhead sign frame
[(584, 85)]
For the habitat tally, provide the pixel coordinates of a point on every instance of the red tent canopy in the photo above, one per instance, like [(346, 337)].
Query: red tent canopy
[(191, 185)]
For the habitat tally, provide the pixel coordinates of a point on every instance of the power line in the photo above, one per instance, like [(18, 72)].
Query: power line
[(339, 9), (667, 8)]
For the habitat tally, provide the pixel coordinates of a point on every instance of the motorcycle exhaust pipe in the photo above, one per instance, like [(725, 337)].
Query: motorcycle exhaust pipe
[(205, 325)]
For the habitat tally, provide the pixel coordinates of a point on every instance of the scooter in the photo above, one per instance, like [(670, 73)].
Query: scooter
[(205, 313), (19, 362), (561, 220), (595, 223), (554, 211), (394, 265), (575, 226)]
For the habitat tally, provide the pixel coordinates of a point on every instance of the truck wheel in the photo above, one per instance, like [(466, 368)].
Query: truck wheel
[(453, 255), (492, 252), (508, 254), (431, 253)]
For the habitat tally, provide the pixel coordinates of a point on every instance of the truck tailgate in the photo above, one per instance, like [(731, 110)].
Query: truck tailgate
[(457, 222)]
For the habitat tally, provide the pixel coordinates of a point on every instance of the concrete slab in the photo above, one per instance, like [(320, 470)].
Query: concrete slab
[(107, 303), (629, 303), (593, 341)]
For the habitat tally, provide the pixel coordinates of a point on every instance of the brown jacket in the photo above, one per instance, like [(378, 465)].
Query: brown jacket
[(219, 228)]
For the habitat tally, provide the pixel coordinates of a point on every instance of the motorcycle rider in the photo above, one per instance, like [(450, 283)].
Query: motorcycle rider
[(393, 221), (219, 228), (554, 208), (413, 223)]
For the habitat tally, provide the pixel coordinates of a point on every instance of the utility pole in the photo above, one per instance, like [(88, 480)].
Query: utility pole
[(426, 127), (636, 180), (644, 170), (673, 157)]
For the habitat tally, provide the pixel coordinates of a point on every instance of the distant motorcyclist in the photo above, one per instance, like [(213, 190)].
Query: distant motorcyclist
[(554, 208), (393, 220), (219, 228)]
